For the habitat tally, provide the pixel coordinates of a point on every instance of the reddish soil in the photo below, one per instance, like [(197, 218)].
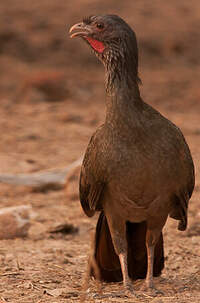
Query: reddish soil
[(46, 122)]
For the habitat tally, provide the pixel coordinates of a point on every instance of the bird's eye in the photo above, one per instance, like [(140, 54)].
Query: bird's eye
[(99, 25)]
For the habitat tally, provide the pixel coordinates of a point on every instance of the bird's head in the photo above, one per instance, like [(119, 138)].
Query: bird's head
[(113, 41)]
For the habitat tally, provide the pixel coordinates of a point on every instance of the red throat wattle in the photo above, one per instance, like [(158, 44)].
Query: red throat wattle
[(96, 45)]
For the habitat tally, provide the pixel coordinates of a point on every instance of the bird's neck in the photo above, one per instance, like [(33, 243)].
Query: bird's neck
[(121, 66), (123, 95), (120, 75)]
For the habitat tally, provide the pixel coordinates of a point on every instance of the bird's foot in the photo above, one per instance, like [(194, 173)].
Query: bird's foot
[(129, 291), (150, 290), (114, 295)]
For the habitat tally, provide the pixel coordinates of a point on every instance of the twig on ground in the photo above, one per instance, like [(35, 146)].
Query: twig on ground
[(14, 273), (51, 176)]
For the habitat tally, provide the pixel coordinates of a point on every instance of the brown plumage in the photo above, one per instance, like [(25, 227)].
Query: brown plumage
[(137, 166)]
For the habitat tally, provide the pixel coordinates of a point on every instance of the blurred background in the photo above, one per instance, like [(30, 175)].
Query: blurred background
[(51, 101), (51, 88)]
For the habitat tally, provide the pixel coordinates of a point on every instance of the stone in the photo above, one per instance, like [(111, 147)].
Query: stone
[(15, 221)]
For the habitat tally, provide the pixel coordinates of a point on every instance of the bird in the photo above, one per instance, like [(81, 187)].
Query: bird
[(137, 166)]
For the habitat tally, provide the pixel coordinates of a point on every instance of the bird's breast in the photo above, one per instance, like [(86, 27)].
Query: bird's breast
[(141, 164)]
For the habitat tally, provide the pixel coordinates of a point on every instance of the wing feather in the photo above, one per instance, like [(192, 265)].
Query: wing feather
[(90, 194)]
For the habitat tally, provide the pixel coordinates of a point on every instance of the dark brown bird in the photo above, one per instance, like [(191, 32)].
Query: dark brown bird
[(137, 166)]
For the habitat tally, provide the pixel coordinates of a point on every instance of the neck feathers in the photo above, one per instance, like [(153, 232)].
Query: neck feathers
[(121, 65)]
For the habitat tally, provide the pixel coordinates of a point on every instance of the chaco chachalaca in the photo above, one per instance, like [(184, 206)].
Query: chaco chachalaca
[(137, 167)]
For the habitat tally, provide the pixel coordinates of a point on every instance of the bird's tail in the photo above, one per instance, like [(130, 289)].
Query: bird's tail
[(108, 261)]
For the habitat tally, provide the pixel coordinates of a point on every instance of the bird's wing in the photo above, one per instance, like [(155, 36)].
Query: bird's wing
[(91, 186), (90, 193)]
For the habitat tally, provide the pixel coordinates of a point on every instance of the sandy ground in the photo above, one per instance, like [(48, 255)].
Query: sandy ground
[(39, 132)]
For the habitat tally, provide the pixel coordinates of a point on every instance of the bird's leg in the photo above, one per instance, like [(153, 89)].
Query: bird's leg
[(152, 237), (124, 267), (150, 256), (117, 228), (149, 285)]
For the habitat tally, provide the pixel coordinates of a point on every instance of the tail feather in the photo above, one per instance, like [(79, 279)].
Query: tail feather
[(108, 261)]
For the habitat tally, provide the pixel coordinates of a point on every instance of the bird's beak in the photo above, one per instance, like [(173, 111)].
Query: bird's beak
[(80, 30)]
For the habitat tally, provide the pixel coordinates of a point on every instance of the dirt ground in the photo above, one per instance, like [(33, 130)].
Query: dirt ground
[(51, 101)]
